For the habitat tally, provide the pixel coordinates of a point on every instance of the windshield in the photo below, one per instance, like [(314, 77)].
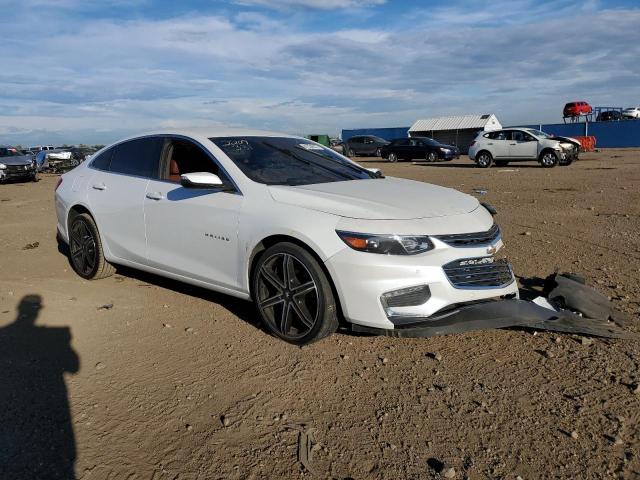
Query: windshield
[(288, 161), (539, 133), (10, 152), (379, 140)]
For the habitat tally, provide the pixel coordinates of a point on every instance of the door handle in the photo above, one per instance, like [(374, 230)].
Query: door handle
[(154, 196), (99, 186), (513, 144), (489, 143)]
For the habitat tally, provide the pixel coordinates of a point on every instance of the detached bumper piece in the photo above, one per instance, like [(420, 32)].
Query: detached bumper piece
[(502, 314)]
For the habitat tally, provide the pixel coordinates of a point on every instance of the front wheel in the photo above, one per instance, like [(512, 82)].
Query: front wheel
[(484, 159), (549, 159), (432, 157), (293, 295), (85, 249), (393, 158)]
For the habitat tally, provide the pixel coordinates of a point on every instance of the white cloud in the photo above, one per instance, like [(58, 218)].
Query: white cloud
[(315, 4), (116, 76)]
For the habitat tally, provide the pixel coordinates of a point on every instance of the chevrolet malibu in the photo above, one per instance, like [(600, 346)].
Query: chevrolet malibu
[(309, 236)]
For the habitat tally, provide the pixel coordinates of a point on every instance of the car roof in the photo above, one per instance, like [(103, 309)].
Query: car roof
[(216, 131)]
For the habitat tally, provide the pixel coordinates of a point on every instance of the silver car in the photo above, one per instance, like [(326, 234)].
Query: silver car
[(522, 144)]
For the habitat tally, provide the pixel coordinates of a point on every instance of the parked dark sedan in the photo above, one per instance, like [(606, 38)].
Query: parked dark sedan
[(13, 164), (609, 116), (419, 148), (364, 145)]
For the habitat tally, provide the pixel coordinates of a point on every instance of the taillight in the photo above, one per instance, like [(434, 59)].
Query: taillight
[(58, 184)]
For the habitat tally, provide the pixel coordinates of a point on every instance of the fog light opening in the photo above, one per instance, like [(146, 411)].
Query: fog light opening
[(404, 297)]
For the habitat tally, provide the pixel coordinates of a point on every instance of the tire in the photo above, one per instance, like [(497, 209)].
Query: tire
[(393, 158), (34, 177), (350, 153), (484, 159), (548, 159), (378, 152), (432, 157), (85, 249), (298, 318), (502, 163)]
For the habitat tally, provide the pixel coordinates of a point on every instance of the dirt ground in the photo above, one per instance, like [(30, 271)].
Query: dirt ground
[(175, 382)]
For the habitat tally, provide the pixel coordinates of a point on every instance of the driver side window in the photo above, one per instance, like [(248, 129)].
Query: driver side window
[(182, 156)]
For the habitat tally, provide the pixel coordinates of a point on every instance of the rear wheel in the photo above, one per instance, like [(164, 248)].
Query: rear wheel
[(432, 157), (85, 249), (293, 295), (378, 152), (548, 159), (484, 159)]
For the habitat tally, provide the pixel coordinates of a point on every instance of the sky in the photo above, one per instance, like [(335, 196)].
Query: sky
[(94, 71)]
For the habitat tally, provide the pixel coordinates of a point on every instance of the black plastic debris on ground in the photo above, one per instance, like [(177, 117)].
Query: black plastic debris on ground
[(579, 310)]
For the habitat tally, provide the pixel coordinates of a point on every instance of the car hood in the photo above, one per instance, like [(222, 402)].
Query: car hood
[(568, 139), (23, 160), (377, 199)]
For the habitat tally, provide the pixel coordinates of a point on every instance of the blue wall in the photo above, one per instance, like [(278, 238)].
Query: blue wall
[(386, 133), (621, 134)]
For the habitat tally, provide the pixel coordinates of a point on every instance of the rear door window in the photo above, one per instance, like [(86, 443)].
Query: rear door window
[(102, 161), (140, 157)]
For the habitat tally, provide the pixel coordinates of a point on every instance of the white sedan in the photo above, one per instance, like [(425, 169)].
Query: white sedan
[(311, 237), (631, 112)]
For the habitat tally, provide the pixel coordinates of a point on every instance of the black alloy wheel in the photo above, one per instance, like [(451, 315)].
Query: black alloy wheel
[(432, 157), (293, 296), (378, 152), (392, 157), (85, 249)]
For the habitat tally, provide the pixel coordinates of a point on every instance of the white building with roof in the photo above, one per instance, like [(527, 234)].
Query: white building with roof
[(458, 130)]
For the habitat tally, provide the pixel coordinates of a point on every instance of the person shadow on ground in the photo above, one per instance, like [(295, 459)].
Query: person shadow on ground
[(36, 434)]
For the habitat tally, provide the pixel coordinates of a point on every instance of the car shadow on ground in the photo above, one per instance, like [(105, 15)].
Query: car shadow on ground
[(36, 433), (242, 309)]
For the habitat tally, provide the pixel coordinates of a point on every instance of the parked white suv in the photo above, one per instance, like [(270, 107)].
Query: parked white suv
[(522, 144), (631, 112), (307, 234)]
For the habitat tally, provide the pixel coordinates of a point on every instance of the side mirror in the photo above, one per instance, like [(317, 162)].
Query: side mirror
[(200, 180), (376, 172)]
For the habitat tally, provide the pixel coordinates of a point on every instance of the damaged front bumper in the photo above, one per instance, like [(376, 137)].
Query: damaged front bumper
[(12, 172), (501, 314)]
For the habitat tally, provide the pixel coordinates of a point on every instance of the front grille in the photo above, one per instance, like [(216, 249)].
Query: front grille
[(472, 239), (14, 169), (479, 272)]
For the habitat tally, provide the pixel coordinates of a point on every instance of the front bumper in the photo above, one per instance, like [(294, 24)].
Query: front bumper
[(17, 172), (449, 156), (362, 278), (502, 314)]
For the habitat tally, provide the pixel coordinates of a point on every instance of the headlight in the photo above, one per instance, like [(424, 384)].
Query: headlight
[(387, 244), (445, 150), (2, 166)]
